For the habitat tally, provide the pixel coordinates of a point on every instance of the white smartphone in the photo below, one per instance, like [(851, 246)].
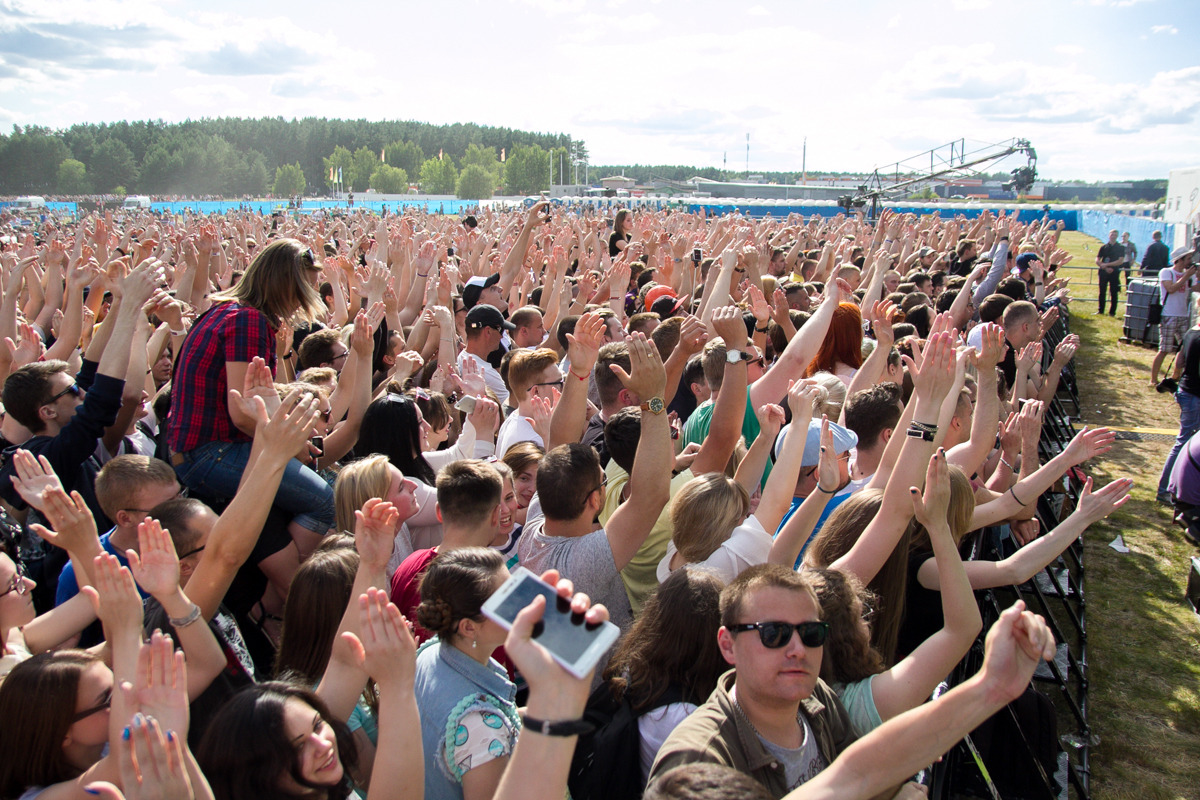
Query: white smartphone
[(575, 644)]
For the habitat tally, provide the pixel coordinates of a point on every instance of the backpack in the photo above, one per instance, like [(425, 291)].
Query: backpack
[(607, 762)]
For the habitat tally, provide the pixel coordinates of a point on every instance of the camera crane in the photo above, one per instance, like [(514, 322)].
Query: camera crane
[(947, 161)]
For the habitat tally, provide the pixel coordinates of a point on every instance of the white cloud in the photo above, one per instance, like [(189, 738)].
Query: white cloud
[(1164, 29), (757, 11), (1069, 49)]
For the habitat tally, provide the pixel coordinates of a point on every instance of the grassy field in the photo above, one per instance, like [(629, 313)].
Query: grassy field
[(1144, 640)]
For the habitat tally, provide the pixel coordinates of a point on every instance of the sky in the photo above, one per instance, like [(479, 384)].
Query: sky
[(1103, 89)]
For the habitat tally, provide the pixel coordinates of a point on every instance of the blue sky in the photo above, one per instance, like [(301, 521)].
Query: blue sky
[(1104, 89)]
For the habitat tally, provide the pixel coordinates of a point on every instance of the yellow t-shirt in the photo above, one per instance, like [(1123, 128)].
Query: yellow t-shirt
[(639, 575)]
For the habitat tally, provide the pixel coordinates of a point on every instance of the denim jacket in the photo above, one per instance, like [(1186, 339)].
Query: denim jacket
[(449, 685)]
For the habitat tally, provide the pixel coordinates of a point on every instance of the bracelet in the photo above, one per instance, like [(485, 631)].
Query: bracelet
[(735, 269), (566, 727), (763, 329), (1014, 496), (183, 622), (825, 491), (289, 354), (1010, 468), (917, 433), (924, 426), (582, 377), (426, 275)]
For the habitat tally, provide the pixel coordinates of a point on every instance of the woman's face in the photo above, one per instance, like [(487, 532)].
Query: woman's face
[(438, 435), (402, 494), (92, 700), (424, 431), (508, 506), (315, 744), (526, 485), (16, 605)]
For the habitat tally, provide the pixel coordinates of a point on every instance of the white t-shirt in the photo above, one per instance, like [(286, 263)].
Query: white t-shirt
[(749, 544), (655, 726), (1175, 304), (494, 381), (515, 429)]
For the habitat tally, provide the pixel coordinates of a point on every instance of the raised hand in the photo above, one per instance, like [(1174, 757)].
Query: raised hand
[(161, 689), (1089, 443), (74, 525), (647, 378), (543, 410), (1094, 507), (583, 346), (758, 304), (155, 564), (375, 528), (693, 334), (33, 477), (114, 596), (1015, 645), (258, 383), (770, 419), (152, 762), (829, 476), (289, 428), (472, 378), (931, 510), (386, 651), (730, 326)]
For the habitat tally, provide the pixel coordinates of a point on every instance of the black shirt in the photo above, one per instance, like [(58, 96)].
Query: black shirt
[(1189, 354), (1111, 251), (1157, 256), (613, 250)]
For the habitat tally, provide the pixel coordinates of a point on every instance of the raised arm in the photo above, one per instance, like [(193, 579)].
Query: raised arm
[(233, 537), (801, 350), (570, 415), (970, 455), (909, 683), (650, 479)]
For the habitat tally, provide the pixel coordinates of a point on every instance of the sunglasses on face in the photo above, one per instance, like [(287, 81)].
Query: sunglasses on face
[(72, 390), (103, 705), (775, 635)]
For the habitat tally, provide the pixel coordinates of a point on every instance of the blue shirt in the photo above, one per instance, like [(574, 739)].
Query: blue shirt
[(68, 586), (833, 503)]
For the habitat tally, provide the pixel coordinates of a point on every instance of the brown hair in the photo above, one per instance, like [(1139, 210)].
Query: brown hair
[(772, 576), (278, 283), (37, 704), (849, 656), (468, 492), (28, 389), (122, 477), (672, 642), (312, 613), (455, 586)]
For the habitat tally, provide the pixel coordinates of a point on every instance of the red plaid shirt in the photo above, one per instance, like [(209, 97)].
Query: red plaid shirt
[(227, 332)]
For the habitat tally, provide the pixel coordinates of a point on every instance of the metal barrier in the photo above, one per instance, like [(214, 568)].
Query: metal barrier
[(1057, 593)]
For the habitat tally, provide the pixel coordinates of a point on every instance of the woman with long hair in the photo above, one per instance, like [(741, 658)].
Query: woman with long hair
[(668, 663), (469, 720), (622, 233), (211, 425), (841, 350), (523, 460), (278, 740), (376, 477)]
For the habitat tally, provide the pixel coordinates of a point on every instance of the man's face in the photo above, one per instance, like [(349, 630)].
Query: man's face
[(798, 300), (69, 397), (530, 335), (1112, 237), (492, 296), (784, 675), (340, 354), (778, 265)]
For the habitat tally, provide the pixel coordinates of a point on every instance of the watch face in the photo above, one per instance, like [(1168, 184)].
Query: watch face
[(656, 405)]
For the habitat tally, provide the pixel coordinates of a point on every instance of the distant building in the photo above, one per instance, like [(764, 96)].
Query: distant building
[(618, 182)]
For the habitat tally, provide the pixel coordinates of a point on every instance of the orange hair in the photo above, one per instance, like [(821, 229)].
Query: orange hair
[(843, 342)]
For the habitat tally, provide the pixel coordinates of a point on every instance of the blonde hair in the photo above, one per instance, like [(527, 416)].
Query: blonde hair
[(357, 483), (832, 396), (278, 283), (704, 513)]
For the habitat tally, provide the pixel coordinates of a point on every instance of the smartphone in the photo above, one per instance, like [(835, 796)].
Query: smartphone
[(318, 443), (574, 643), (697, 256), (466, 404), (450, 252)]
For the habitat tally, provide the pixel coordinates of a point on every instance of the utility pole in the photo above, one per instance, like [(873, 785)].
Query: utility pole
[(804, 163), (747, 156)]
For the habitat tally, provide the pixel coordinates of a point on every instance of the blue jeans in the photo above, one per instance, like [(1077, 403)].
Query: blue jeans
[(216, 469), (1189, 423)]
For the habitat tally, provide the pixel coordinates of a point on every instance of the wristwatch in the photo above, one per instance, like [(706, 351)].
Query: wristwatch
[(654, 405), (734, 356)]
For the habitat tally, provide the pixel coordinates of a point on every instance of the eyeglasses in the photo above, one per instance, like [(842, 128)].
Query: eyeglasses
[(181, 494), (340, 356), (17, 584), (775, 635), (557, 384), (603, 482), (103, 705), (199, 549), (72, 390)]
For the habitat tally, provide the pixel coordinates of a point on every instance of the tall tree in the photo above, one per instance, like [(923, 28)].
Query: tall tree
[(29, 161), (364, 164), (389, 180), (113, 165), (438, 176), (408, 156), (73, 178), (475, 183), (527, 170), (289, 180)]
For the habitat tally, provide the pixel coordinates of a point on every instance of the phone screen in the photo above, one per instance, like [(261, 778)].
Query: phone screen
[(560, 631)]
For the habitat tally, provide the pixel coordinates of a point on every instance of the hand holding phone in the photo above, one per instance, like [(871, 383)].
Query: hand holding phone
[(575, 640)]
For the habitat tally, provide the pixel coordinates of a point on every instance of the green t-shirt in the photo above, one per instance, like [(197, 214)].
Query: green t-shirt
[(697, 425)]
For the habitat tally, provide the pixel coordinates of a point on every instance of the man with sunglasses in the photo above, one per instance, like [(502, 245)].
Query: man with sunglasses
[(771, 716)]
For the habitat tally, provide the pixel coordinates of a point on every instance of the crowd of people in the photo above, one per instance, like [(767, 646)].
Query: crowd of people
[(261, 473)]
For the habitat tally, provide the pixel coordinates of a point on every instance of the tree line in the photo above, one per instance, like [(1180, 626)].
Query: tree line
[(237, 157)]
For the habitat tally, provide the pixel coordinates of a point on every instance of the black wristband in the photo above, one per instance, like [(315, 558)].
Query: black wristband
[(825, 491), (568, 727)]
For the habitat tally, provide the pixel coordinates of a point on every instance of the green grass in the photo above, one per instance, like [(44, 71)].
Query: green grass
[(1143, 639)]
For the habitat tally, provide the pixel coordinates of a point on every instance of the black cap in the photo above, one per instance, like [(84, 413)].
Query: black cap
[(486, 316), (475, 287)]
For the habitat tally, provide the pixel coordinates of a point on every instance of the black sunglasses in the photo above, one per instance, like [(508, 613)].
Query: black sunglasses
[(103, 705), (72, 390), (774, 635)]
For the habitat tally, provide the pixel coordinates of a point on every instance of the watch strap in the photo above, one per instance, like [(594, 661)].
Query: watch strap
[(567, 727)]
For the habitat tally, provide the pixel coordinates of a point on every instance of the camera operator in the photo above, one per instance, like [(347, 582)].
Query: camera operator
[(1175, 280)]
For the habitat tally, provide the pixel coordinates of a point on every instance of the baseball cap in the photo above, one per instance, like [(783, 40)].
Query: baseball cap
[(475, 286), (843, 440), (667, 306), (657, 292), (1024, 259), (485, 316)]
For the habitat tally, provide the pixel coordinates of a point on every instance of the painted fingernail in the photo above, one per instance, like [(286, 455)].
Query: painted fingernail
[(90, 790), (125, 733), (170, 736)]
